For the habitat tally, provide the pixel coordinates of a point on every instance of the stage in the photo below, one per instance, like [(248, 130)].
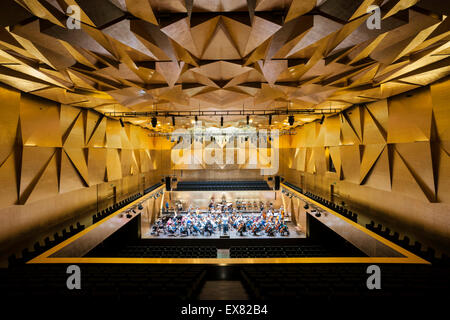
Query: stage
[(293, 234)]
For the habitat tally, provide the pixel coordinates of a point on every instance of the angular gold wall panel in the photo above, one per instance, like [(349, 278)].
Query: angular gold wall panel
[(40, 122), (10, 102), (113, 136), (34, 162), (320, 160), (300, 159), (70, 178), (113, 165), (373, 132), (443, 185), (380, 114), (332, 136), (370, 155), (440, 95), (417, 157), (47, 184), (126, 158), (68, 117), (348, 134), (98, 137), (91, 120), (96, 165), (74, 137), (351, 160), (379, 175), (403, 180), (410, 117), (335, 154), (310, 161), (8, 180), (78, 157)]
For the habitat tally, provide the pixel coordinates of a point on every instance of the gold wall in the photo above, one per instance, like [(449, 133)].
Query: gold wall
[(58, 162), (391, 158)]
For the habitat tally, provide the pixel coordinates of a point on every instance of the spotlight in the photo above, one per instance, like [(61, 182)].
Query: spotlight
[(306, 207), (221, 121), (173, 121), (291, 120), (121, 122), (248, 119), (322, 119), (154, 122), (270, 119)]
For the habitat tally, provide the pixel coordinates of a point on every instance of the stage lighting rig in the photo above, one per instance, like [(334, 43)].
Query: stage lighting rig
[(291, 120), (154, 122)]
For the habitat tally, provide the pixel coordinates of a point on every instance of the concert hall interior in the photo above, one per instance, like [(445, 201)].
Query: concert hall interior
[(190, 150)]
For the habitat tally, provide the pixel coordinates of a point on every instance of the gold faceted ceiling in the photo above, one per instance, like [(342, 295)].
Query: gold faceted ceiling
[(159, 55)]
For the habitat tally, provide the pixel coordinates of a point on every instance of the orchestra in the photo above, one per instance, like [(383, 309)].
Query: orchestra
[(245, 218)]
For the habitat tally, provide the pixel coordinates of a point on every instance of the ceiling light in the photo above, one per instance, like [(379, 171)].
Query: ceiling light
[(154, 122), (291, 120)]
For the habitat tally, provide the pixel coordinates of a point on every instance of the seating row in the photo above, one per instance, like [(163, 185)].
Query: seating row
[(342, 281), (222, 185), (278, 251), (106, 212), (38, 248), (405, 242), (112, 282)]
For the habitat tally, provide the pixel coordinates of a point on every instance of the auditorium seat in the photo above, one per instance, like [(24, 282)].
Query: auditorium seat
[(371, 225), (154, 251), (279, 251), (222, 185), (405, 242), (417, 247), (264, 282), (114, 282)]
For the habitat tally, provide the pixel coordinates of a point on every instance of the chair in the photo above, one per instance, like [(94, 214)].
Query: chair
[(47, 243), (370, 225), (417, 247), (395, 237), (65, 234), (37, 247), (405, 242), (57, 237)]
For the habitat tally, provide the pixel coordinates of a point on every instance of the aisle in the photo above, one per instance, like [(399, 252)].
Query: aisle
[(223, 290)]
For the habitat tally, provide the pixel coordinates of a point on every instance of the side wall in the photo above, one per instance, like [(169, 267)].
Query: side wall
[(391, 159), (60, 164)]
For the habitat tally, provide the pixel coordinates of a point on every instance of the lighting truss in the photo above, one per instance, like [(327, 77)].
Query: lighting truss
[(211, 113)]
